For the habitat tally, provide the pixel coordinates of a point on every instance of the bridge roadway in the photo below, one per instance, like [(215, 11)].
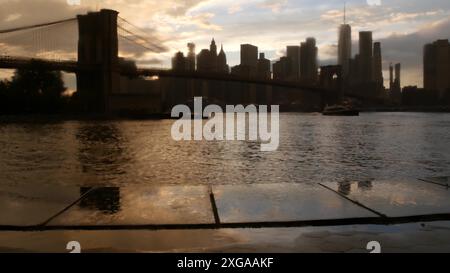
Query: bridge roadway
[(8, 62), (71, 66)]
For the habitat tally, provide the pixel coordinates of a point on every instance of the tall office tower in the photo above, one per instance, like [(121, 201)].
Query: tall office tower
[(354, 75), (391, 77), (293, 54), (366, 56), (190, 59), (213, 48), (249, 55), (213, 57), (397, 80), (377, 65), (429, 67), (281, 68), (222, 66), (345, 48), (263, 67), (179, 62), (308, 61), (249, 59), (204, 61), (436, 65), (395, 91)]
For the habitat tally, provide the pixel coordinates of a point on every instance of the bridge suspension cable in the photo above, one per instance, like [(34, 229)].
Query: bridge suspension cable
[(134, 42), (58, 40), (138, 36), (3, 31), (136, 28), (55, 40)]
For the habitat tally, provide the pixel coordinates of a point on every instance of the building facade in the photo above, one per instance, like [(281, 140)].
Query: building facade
[(308, 61), (293, 53), (365, 56), (190, 59), (436, 65), (263, 67), (345, 48)]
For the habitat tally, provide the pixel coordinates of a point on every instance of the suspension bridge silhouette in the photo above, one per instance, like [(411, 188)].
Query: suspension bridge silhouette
[(88, 45)]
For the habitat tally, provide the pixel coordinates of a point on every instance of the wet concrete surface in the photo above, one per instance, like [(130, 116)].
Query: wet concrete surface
[(159, 205), (442, 180), (140, 206), (34, 204), (397, 198), (283, 202), (415, 237)]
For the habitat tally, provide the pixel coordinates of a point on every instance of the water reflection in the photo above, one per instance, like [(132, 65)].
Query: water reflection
[(102, 151), (105, 200), (365, 185), (312, 149), (347, 187), (140, 206), (344, 187), (282, 202), (397, 198)]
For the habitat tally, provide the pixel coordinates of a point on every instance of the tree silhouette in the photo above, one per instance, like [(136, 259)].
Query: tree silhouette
[(33, 90)]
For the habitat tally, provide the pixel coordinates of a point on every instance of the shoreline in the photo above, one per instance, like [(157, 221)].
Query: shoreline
[(114, 117)]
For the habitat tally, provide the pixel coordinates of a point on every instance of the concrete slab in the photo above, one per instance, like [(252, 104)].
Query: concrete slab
[(404, 238), (283, 202), (34, 204), (442, 180), (397, 198), (141, 206)]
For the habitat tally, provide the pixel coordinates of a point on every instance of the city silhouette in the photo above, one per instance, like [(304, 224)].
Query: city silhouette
[(107, 83)]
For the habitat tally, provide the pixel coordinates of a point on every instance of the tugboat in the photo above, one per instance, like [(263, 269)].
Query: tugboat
[(340, 110)]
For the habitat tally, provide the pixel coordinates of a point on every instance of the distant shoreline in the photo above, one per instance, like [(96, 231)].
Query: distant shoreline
[(419, 109), (103, 117)]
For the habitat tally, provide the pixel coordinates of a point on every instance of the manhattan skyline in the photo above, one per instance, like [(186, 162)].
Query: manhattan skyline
[(402, 27)]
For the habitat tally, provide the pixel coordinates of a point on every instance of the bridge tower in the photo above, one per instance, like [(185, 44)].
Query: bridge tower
[(98, 50)]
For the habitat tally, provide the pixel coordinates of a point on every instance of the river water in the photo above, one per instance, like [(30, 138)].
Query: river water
[(313, 149)]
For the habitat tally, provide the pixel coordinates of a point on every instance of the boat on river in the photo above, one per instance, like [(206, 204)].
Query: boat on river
[(340, 110)]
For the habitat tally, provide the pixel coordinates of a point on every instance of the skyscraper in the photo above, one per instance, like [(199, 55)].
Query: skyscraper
[(209, 61), (249, 55), (391, 77), (436, 65), (249, 59), (293, 54), (179, 62), (213, 48), (395, 84), (397, 80), (345, 48), (222, 66), (204, 61), (308, 61), (213, 57), (263, 67), (366, 56), (281, 68), (190, 59), (377, 65)]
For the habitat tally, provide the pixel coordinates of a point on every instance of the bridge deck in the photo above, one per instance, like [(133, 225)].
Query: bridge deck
[(40, 208)]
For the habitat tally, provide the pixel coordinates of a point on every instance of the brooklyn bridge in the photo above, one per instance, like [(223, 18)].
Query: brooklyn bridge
[(107, 82)]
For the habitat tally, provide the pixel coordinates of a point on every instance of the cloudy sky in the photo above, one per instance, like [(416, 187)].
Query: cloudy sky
[(403, 26)]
